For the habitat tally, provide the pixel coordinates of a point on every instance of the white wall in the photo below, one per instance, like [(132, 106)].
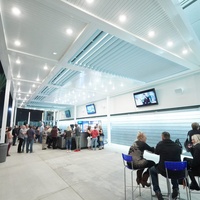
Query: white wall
[(166, 95)]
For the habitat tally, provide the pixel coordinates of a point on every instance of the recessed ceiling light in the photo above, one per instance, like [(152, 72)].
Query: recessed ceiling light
[(19, 94), (90, 1), (45, 67), (17, 43), (151, 34), (185, 51), (54, 53), (16, 11), (18, 61), (37, 79), (122, 18), (18, 83), (18, 76), (33, 85), (170, 43), (69, 31)]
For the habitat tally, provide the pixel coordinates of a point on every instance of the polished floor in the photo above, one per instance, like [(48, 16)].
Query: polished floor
[(58, 175)]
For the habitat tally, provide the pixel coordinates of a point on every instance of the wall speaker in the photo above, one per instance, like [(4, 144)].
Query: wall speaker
[(178, 91)]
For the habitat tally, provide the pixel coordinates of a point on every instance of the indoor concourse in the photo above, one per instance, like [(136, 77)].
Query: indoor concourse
[(56, 174)]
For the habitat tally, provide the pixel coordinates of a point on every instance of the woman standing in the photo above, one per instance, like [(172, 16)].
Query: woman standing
[(137, 151), (21, 138), (101, 138), (9, 139), (68, 138)]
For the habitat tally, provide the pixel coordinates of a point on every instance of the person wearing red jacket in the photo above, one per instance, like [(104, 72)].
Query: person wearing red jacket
[(94, 135)]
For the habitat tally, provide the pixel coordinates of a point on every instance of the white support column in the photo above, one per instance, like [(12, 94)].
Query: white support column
[(15, 115), (29, 116), (13, 110), (108, 120), (74, 113), (54, 118), (5, 111)]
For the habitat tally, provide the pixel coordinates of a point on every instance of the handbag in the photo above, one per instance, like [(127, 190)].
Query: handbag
[(187, 145)]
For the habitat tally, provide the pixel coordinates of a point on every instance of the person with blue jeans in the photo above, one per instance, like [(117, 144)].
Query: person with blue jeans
[(168, 151), (30, 139), (68, 138), (94, 134)]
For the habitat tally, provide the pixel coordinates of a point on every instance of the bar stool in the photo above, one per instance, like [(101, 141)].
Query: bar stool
[(177, 170), (195, 191), (128, 158)]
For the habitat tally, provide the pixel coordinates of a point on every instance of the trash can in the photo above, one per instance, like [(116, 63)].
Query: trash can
[(3, 152)]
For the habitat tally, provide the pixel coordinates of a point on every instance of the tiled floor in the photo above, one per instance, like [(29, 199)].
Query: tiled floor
[(58, 175)]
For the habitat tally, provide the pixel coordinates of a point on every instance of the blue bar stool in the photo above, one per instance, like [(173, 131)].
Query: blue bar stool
[(177, 170), (128, 158)]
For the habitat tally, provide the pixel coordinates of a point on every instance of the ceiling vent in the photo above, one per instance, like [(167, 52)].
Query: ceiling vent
[(90, 45), (47, 90), (186, 3), (61, 78), (38, 98)]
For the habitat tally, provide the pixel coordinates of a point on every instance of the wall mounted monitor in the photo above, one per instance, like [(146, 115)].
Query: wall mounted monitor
[(145, 98), (67, 113), (90, 109)]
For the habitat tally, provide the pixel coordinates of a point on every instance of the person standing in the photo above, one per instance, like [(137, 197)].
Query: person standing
[(101, 138), (137, 151), (94, 134), (89, 137), (22, 131), (168, 151), (44, 138), (54, 134), (25, 137), (15, 132), (30, 139), (68, 138), (41, 129), (9, 139), (77, 137)]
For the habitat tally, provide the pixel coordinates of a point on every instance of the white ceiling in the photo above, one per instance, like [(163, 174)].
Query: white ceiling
[(103, 56)]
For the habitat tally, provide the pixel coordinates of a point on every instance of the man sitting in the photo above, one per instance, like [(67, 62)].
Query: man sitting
[(168, 151)]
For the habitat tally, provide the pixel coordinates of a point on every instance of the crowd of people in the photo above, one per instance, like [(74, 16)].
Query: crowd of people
[(167, 150), (27, 135)]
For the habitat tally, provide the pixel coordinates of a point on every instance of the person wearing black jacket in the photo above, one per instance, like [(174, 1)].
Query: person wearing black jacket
[(195, 130), (15, 133), (168, 151), (194, 164)]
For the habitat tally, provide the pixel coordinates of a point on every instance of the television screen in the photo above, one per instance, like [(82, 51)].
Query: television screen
[(90, 109), (145, 98), (67, 113)]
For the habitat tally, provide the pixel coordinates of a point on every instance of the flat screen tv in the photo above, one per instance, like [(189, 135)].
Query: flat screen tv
[(145, 98), (68, 113), (90, 109)]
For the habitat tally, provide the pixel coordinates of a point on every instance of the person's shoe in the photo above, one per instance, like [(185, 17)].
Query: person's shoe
[(194, 187), (8, 155), (159, 196), (144, 183), (175, 193), (44, 148)]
